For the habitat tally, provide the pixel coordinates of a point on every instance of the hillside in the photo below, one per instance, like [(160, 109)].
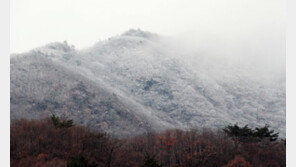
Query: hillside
[(40, 87), (138, 81)]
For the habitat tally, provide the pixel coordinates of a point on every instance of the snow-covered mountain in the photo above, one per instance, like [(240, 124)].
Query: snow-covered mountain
[(140, 81)]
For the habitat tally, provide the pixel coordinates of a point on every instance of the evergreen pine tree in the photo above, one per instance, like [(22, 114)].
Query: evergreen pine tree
[(150, 162)]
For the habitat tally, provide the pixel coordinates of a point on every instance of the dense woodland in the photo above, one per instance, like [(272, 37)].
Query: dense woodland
[(57, 142)]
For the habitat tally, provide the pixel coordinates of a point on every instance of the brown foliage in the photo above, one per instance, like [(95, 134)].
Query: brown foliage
[(239, 161), (35, 143), (40, 143)]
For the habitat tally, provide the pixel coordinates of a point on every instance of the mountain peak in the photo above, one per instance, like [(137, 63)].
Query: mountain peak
[(138, 33), (55, 48), (61, 46)]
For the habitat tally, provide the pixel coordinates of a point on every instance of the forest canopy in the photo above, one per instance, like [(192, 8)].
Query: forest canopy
[(47, 143)]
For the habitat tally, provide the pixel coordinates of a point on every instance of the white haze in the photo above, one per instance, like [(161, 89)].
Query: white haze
[(183, 82), (249, 32), (262, 56), (82, 22), (212, 54)]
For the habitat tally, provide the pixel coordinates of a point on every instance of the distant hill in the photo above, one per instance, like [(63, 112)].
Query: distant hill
[(137, 82)]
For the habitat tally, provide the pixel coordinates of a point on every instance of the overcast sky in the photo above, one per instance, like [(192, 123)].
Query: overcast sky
[(84, 22)]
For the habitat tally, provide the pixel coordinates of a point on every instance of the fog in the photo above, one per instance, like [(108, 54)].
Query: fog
[(253, 23), (261, 54), (235, 37)]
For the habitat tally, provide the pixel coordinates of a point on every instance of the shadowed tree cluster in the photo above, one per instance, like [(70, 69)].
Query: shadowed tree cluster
[(57, 122), (150, 162), (246, 134), (80, 161)]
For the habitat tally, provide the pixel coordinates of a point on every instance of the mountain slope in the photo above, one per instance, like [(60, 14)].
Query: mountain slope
[(153, 80), (40, 87)]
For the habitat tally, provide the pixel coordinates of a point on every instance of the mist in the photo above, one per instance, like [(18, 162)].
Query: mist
[(260, 55), (81, 23), (181, 81)]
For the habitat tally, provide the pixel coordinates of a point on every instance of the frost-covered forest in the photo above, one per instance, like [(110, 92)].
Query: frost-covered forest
[(138, 82)]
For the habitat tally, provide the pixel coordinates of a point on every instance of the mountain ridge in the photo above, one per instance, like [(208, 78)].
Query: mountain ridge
[(155, 81)]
